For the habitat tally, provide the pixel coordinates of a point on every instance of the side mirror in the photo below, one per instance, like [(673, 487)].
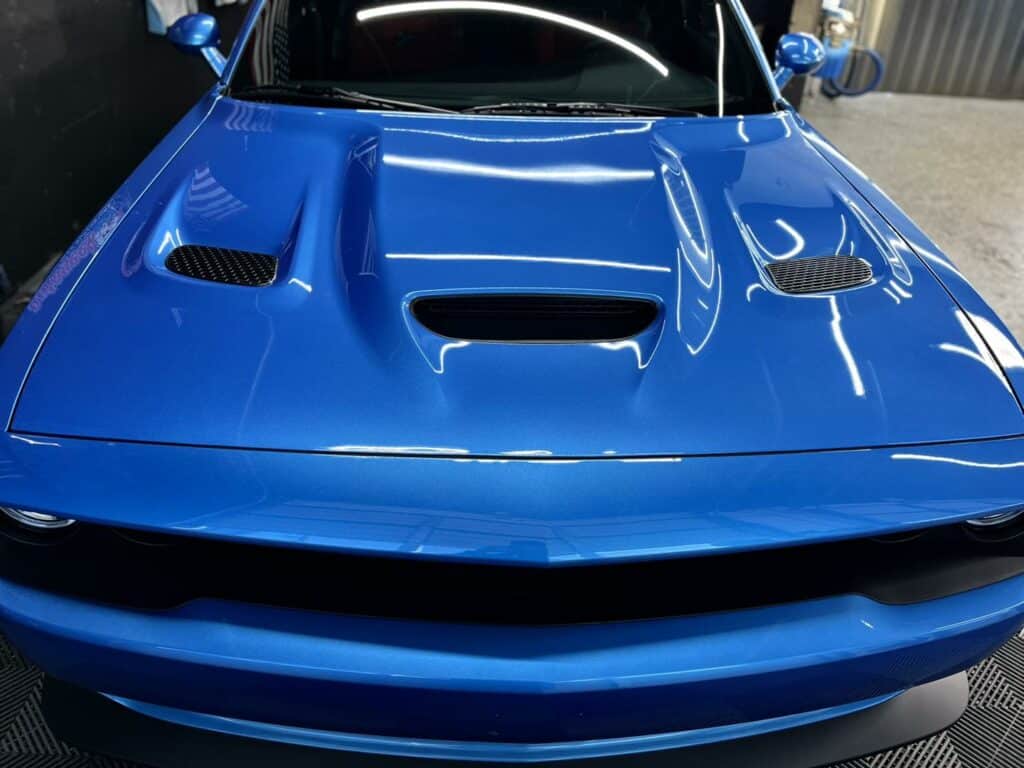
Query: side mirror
[(199, 33), (797, 54)]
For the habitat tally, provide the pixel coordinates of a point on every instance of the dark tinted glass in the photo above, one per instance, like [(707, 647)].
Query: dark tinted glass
[(459, 55)]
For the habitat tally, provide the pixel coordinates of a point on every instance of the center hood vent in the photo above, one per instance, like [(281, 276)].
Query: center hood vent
[(223, 265), (535, 319), (819, 275)]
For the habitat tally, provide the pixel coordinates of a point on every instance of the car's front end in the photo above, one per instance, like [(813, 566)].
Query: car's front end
[(558, 434), (453, 633)]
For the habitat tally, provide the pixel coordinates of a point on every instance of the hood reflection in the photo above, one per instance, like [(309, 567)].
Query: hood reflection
[(698, 275)]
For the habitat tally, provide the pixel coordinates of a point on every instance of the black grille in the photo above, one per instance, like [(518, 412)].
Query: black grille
[(90, 562), (826, 273), (223, 265), (535, 319)]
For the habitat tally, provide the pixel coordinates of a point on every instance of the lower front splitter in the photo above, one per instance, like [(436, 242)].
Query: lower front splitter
[(98, 724)]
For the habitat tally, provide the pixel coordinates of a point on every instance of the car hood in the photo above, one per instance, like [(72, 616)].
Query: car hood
[(366, 212)]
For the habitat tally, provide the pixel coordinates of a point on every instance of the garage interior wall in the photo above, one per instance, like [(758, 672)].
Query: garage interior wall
[(951, 47), (85, 93)]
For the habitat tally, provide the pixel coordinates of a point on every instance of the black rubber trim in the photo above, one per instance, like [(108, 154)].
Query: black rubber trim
[(535, 319), (91, 564), (96, 724), (439, 456)]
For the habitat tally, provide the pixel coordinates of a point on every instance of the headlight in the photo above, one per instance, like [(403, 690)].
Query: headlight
[(991, 521), (37, 520)]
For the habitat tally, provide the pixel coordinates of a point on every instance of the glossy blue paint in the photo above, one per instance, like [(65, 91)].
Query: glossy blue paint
[(316, 413), (987, 324), (798, 53), (533, 512), (199, 33), (487, 751), (19, 349), (511, 685), (368, 211)]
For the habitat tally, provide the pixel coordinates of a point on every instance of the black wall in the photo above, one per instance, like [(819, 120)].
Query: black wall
[(85, 93), (771, 17)]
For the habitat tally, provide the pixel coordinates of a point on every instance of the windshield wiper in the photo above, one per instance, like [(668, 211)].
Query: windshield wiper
[(580, 108), (305, 92)]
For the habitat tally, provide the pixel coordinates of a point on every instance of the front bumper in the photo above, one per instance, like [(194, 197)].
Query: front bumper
[(508, 680), (513, 693)]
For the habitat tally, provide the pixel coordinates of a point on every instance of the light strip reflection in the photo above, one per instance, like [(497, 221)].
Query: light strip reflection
[(479, 139), (842, 238), (900, 290), (527, 259), (1003, 347), (571, 174), (980, 353), (798, 241), (398, 449), (428, 6), (958, 462), (616, 346), (714, 320), (844, 349)]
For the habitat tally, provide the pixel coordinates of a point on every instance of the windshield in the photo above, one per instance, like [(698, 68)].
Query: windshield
[(586, 56)]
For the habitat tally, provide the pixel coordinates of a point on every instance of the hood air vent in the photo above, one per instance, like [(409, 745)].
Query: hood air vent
[(535, 319), (223, 265), (818, 275)]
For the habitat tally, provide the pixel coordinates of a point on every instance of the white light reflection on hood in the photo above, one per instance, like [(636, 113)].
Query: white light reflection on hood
[(566, 174)]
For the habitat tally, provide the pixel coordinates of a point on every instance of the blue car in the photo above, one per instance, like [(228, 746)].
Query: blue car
[(507, 383)]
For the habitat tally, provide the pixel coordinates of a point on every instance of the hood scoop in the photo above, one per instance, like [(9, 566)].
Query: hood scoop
[(223, 265), (820, 275), (535, 319)]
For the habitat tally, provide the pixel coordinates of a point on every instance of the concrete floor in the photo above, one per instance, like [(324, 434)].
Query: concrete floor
[(957, 167)]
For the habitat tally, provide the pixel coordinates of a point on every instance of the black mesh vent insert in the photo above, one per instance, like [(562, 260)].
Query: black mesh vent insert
[(826, 273), (535, 319), (223, 265)]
